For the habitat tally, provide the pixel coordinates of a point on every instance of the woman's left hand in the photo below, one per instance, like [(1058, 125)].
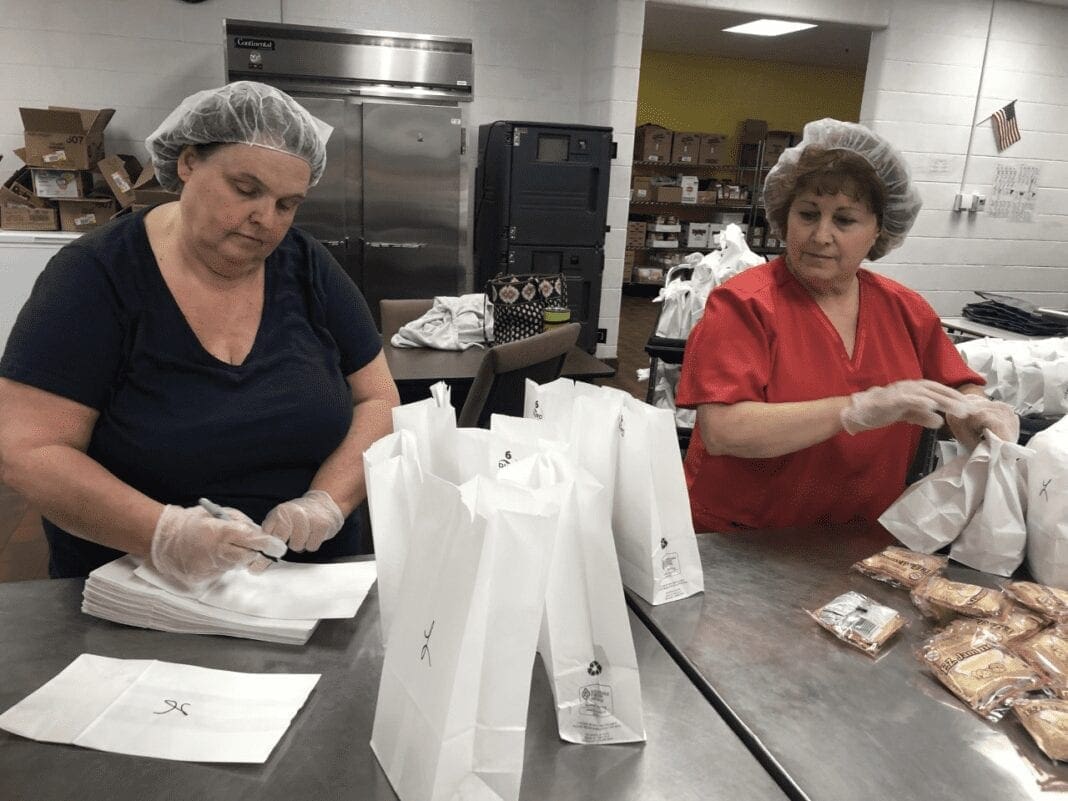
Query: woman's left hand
[(306, 522), (984, 413)]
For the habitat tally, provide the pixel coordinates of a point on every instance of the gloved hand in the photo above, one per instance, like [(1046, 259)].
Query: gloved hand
[(191, 545), (981, 414), (306, 522), (914, 401)]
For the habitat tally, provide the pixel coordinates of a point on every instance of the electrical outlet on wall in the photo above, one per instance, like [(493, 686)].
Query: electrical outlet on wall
[(602, 335)]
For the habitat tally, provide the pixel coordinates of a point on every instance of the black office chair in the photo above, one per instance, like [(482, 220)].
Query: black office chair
[(499, 385)]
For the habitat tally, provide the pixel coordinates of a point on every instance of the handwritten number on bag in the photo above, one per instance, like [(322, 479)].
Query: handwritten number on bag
[(1045, 488), (426, 645), (173, 705)]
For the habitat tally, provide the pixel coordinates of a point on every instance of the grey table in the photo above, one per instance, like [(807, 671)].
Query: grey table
[(831, 723), (690, 753), (962, 325), (423, 366)]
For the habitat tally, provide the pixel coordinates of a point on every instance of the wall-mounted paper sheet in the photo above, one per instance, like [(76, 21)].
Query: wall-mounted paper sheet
[(286, 590), (162, 709)]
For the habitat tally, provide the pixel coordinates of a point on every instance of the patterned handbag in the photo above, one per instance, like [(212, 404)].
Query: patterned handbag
[(519, 302)]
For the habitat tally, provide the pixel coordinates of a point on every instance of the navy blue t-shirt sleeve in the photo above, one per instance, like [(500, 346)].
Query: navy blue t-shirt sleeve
[(67, 339), (347, 316)]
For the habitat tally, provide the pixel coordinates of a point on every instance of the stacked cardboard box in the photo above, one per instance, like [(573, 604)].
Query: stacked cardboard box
[(652, 143), (636, 234), (68, 183)]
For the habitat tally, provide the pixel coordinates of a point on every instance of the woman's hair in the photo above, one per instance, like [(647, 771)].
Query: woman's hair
[(838, 156), (827, 172)]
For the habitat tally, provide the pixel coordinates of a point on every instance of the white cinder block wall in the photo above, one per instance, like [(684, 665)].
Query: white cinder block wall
[(923, 79), (577, 61), (921, 92)]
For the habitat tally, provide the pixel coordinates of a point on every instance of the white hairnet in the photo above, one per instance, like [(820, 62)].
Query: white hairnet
[(243, 112), (902, 201)]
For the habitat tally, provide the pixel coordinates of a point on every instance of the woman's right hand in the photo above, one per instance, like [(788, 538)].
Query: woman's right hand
[(191, 545), (914, 401)]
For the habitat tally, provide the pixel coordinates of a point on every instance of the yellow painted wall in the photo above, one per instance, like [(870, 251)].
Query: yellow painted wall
[(689, 92)]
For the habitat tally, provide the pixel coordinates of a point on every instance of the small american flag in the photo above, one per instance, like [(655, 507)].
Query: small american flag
[(1006, 130)]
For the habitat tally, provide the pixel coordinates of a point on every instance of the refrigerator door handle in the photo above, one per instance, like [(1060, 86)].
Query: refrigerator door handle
[(409, 245), (336, 243)]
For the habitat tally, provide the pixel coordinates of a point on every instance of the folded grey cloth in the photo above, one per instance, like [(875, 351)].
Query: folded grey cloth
[(453, 323)]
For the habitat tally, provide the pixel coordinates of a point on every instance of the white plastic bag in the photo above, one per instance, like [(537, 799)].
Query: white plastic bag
[(995, 538), (392, 475), (585, 641), (933, 511), (651, 520), (450, 720), (1047, 506)]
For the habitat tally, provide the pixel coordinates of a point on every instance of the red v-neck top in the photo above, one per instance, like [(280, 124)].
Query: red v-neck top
[(763, 338)]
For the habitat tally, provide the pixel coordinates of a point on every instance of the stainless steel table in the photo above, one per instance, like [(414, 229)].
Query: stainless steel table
[(830, 722), (423, 366), (691, 753)]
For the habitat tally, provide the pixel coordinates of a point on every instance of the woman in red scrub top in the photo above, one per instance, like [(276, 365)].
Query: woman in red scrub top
[(812, 376)]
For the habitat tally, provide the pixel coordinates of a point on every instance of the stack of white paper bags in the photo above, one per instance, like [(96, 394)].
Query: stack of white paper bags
[(283, 604)]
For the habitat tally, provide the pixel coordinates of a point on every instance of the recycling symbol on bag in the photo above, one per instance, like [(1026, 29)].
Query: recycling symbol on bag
[(594, 669)]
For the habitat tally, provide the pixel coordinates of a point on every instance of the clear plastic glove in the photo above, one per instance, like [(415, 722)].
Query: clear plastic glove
[(982, 414), (916, 401), (191, 545), (306, 522)]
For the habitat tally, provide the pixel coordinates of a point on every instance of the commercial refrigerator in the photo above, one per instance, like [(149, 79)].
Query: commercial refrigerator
[(392, 204)]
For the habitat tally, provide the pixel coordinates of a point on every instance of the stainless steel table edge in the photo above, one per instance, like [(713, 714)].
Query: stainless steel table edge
[(749, 738)]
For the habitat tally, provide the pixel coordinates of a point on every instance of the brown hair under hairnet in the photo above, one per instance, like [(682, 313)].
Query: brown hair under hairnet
[(900, 201)]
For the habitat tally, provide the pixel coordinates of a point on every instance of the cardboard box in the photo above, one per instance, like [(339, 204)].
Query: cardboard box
[(669, 194), (635, 234), (652, 143), (775, 144), (85, 214), (23, 218), (685, 147), (64, 138), (752, 131), (696, 235), (707, 198), (664, 228), (657, 244), (118, 172), (148, 192), (688, 185), (641, 189), (61, 183), (649, 275), (713, 149)]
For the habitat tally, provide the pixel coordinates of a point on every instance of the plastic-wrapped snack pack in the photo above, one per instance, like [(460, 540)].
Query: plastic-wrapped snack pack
[(940, 599), (859, 621), (1049, 601), (1046, 720), (1047, 651), (901, 567), (983, 674)]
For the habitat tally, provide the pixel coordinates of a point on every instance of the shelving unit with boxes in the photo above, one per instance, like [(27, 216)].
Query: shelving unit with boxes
[(683, 179)]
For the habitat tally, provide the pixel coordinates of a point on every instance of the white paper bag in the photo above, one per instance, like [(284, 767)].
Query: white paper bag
[(995, 538), (585, 642), (933, 511), (1047, 506), (654, 533), (393, 477), (452, 705), (433, 422), (552, 402)]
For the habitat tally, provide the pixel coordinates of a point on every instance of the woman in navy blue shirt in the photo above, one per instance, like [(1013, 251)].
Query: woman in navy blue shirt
[(201, 348)]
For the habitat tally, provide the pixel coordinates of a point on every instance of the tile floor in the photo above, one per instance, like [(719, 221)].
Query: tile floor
[(24, 553)]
